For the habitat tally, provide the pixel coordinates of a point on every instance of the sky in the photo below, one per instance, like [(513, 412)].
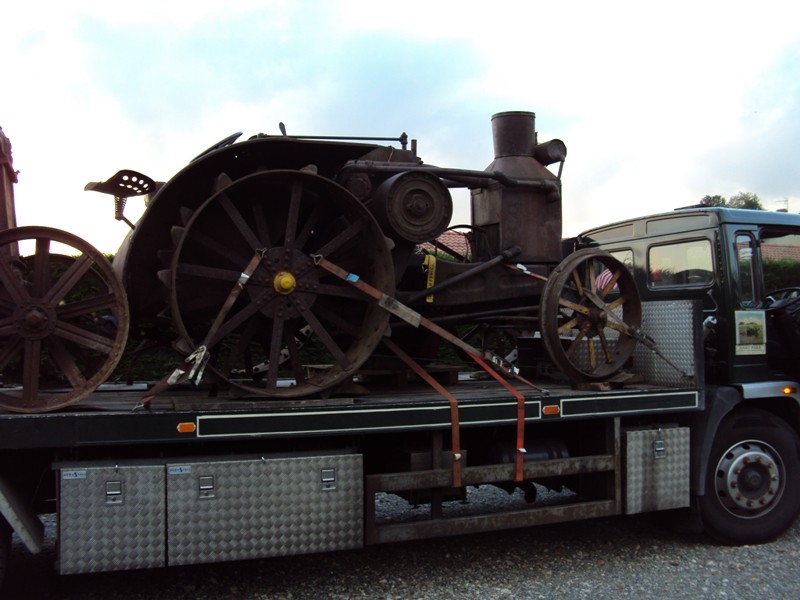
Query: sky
[(659, 103)]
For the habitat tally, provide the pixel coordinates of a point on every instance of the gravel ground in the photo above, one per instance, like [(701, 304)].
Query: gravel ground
[(643, 556)]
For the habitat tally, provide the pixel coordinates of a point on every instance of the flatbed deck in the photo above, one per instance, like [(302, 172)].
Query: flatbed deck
[(187, 414)]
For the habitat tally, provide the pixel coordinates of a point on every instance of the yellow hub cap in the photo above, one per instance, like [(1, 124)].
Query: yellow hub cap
[(284, 283)]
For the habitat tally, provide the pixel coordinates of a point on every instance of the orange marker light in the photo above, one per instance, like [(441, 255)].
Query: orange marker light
[(186, 427), (551, 409), (789, 390)]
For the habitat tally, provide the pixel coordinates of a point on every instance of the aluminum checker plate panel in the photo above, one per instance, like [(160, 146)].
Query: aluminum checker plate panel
[(236, 510)]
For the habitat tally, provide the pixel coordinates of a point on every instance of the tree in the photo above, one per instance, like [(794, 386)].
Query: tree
[(715, 200), (745, 200), (740, 200)]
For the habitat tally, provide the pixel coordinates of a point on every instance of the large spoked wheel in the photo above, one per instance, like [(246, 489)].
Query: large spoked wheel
[(244, 283), (753, 479), (589, 308), (63, 319)]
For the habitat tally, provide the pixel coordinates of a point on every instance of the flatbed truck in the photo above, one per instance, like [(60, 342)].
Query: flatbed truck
[(667, 381), (199, 478)]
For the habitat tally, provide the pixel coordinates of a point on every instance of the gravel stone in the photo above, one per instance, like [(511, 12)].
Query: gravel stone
[(632, 557)]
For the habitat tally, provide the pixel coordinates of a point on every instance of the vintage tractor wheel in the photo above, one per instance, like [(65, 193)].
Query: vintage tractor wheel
[(589, 310), (244, 283), (63, 319)]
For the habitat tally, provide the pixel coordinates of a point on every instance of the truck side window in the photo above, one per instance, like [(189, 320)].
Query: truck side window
[(682, 264), (780, 256), (625, 257), (744, 262)]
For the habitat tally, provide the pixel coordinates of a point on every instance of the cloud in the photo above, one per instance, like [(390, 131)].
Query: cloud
[(658, 105)]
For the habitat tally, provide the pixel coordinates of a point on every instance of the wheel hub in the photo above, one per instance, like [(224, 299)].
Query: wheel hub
[(749, 479), (35, 321), (291, 275), (284, 283)]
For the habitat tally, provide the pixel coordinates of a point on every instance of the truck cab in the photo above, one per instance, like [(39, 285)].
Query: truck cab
[(744, 267)]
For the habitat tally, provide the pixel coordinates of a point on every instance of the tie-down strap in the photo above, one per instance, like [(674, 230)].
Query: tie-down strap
[(414, 318)]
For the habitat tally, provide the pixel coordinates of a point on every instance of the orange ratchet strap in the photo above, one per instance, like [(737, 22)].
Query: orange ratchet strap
[(414, 318)]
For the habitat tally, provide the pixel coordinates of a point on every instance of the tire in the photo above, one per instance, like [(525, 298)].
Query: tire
[(753, 479)]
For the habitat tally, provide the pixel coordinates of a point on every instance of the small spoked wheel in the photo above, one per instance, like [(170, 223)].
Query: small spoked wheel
[(63, 319), (589, 309)]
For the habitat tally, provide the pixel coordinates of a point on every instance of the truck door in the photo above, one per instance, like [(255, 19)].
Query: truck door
[(779, 254)]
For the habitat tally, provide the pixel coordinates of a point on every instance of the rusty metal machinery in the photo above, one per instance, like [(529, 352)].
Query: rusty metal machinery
[(63, 319), (225, 262)]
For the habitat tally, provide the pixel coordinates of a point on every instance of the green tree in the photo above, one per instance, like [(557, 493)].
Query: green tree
[(715, 200), (740, 200), (745, 200)]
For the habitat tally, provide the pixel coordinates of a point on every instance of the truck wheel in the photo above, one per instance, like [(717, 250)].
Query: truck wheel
[(753, 479)]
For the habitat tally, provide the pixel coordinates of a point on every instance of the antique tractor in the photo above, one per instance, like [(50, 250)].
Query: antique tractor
[(258, 250)]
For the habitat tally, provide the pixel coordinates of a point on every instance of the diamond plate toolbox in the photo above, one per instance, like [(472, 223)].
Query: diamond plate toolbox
[(656, 469), (110, 517), (235, 510), (135, 516)]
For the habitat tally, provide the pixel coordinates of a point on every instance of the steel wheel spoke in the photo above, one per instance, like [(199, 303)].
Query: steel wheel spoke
[(325, 338), (41, 268), (308, 227), (334, 319), (10, 349), (290, 341), (82, 337), (66, 363), (7, 327), (240, 223), (67, 282), (13, 284), (229, 326), (203, 272), (294, 212), (30, 372), (86, 307), (340, 291), (274, 353), (209, 243), (343, 237)]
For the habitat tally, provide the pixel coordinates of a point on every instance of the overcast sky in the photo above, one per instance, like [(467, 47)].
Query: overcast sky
[(659, 103)]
